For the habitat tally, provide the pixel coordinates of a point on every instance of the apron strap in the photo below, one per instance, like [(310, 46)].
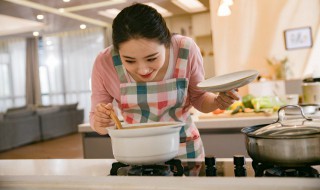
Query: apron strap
[(119, 67), (182, 61)]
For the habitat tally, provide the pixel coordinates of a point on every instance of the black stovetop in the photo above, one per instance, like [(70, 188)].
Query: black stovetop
[(238, 166)]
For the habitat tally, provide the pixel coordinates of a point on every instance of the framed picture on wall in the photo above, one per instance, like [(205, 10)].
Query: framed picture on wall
[(298, 38)]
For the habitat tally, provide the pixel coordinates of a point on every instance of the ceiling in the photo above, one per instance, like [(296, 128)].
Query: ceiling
[(76, 12)]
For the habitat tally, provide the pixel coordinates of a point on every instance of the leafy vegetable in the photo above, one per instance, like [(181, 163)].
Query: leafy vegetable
[(246, 100), (264, 102)]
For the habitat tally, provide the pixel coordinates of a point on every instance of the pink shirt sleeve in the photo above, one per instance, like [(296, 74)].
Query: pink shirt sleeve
[(105, 84)]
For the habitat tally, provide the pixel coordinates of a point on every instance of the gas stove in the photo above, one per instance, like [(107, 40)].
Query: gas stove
[(238, 166), (47, 174)]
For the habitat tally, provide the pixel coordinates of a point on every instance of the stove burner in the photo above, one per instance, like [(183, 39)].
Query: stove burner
[(278, 171), (292, 172), (170, 168), (150, 170)]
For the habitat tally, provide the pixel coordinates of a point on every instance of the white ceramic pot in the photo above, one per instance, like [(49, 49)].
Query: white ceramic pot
[(148, 145), (311, 93)]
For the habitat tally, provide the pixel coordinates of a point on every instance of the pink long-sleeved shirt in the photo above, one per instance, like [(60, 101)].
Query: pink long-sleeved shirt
[(105, 83)]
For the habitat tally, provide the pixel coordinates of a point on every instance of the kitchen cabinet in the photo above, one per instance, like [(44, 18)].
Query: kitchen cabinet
[(201, 24), (96, 146), (223, 143)]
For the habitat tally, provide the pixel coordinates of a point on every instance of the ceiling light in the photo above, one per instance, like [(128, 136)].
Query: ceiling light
[(40, 17), (164, 12), (83, 26), (190, 5), (35, 33), (66, 1), (224, 10), (61, 10), (227, 2), (110, 13)]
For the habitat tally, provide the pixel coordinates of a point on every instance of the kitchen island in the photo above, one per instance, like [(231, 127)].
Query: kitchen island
[(221, 135), (94, 174)]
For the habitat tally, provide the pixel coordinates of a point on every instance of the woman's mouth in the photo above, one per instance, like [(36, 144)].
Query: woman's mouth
[(147, 75)]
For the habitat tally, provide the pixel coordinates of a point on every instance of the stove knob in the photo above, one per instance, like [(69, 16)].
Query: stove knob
[(239, 166), (210, 163), (239, 160)]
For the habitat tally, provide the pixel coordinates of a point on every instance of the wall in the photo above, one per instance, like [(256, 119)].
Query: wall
[(254, 32)]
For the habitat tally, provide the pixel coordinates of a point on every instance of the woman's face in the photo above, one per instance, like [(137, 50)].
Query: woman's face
[(142, 58)]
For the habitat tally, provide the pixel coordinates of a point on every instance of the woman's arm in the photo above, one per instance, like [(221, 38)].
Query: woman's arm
[(202, 100), (105, 87)]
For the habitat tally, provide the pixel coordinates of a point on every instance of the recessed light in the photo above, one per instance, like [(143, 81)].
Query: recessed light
[(40, 17), (83, 26), (190, 6), (66, 1), (35, 33), (61, 10)]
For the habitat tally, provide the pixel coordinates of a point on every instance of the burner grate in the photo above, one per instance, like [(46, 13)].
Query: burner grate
[(278, 171), (170, 168)]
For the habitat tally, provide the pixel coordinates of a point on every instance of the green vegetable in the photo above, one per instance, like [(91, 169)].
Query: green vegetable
[(237, 110), (246, 100), (264, 102)]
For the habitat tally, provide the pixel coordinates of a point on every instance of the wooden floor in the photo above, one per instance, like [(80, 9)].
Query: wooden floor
[(63, 147)]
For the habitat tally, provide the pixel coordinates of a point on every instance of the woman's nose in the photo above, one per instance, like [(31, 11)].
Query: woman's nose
[(143, 69)]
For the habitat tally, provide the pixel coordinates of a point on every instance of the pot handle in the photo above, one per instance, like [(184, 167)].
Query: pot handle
[(282, 114)]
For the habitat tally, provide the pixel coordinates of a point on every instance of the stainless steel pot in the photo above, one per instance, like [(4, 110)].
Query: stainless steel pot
[(285, 143)]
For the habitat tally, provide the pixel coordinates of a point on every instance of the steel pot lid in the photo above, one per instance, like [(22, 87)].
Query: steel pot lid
[(295, 128)]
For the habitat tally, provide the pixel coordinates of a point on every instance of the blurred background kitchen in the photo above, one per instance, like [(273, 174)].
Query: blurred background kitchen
[(47, 49)]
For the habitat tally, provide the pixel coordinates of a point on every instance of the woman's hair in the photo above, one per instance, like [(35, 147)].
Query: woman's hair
[(139, 21)]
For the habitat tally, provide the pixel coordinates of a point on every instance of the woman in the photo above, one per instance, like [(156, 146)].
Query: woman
[(152, 75)]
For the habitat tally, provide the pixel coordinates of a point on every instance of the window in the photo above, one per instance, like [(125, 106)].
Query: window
[(65, 64), (12, 73)]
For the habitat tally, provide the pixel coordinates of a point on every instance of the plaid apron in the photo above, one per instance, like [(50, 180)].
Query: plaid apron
[(145, 102)]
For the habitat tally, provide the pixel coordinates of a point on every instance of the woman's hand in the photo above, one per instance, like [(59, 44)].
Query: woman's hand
[(221, 101), (225, 99), (102, 117)]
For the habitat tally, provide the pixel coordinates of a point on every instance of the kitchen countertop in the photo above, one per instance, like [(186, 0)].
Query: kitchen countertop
[(210, 121), (215, 122), (93, 174)]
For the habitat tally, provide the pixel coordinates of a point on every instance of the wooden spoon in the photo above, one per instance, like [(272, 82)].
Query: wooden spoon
[(116, 120)]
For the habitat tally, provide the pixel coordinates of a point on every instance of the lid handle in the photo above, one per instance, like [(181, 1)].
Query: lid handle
[(282, 114)]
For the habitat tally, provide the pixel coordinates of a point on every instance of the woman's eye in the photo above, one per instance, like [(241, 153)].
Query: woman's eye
[(152, 59), (130, 61)]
